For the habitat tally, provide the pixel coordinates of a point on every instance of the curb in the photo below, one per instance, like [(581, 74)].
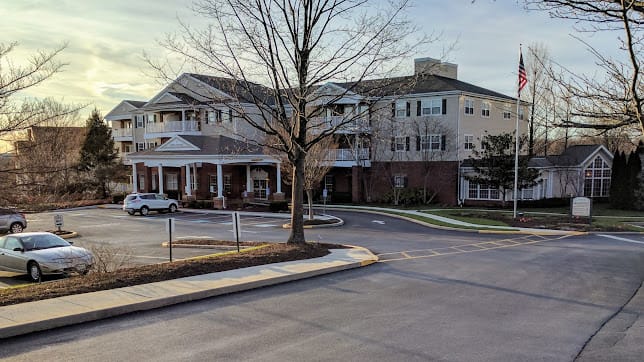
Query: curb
[(339, 222), (97, 313)]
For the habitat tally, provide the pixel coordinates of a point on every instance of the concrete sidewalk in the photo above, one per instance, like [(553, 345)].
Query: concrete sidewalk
[(46, 314)]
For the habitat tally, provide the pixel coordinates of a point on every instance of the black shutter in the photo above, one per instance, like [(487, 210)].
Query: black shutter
[(418, 108), (443, 141), (407, 144), (405, 181), (408, 109), (444, 106), (417, 143), (393, 109), (393, 143), (230, 115)]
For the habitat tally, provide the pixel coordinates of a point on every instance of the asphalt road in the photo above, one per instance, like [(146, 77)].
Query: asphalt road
[(437, 295)]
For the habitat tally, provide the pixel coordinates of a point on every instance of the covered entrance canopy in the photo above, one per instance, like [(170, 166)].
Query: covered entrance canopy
[(206, 166)]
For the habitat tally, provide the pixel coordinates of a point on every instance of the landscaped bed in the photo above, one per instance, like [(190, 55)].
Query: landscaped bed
[(255, 254)]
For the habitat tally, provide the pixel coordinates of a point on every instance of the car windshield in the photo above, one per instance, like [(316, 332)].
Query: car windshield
[(42, 241)]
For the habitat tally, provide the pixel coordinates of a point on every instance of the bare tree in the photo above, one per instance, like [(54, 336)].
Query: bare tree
[(293, 47), (617, 100), (432, 143)]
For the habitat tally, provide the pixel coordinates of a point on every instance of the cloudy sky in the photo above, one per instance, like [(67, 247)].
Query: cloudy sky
[(106, 40)]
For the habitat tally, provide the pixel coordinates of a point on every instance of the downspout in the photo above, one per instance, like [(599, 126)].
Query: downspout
[(458, 148)]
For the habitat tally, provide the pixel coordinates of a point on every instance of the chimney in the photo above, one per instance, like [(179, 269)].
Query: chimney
[(433, 66)]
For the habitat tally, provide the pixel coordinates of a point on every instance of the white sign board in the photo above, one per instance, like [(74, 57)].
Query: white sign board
[(581, 206), (58, 220), (170, 224)]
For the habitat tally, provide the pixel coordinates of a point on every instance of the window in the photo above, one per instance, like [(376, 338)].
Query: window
[(400, 181), (482, 192), (212, 117), (127, 148), (521, 113), (140, 146), (139, 120), (469, 142), (172, 181), (154, 179), (403, 109), (432, 106), (526, 194), (485, 109), (152, 118), (227, 116), (212, 183), (469, 106), (150, 145), (328, 183), (597, 178), (141, 184), (401, 144), (228, 183), (507, 115), (432, 142)]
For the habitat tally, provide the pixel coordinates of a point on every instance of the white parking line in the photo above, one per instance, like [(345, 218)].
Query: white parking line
[(621, 239)]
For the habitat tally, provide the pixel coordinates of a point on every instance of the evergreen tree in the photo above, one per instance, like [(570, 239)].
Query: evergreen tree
[(618, 186), (634, 167), (495, 164), (98, 157)]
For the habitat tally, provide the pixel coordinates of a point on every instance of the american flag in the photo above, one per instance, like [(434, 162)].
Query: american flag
[(523, 77)]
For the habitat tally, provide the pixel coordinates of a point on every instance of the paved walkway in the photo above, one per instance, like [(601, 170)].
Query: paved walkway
[(57, 312)]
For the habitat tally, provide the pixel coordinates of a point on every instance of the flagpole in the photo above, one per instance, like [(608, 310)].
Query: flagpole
[(516, 149)]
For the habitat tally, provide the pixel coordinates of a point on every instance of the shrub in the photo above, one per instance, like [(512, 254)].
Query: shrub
[(118, 198), (277, 206)]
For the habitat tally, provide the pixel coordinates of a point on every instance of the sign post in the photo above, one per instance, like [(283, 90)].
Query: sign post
[(236, 227), (325, 194), (169, 227), (58, 221)]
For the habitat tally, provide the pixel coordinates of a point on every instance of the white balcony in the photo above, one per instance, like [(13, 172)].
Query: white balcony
[(344, 123), (347, 157), (122, 134), (171, 128)]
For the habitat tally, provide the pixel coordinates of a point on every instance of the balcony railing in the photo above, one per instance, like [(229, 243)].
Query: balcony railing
[(344, 123), (121, 132), (347, 154), (172, 126)]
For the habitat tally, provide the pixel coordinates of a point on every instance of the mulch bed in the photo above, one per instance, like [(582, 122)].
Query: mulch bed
[(274, 253)]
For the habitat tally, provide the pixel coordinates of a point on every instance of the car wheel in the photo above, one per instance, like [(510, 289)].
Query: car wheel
[(131, 212), (144, 211), (33, 269), (173, 208), (16, 227)]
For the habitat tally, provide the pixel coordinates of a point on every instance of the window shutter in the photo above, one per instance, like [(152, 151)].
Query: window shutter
[(443, 141), (393, 143), (408, 109), (417, 143), (406, 143), (444, 106), (230, 115), (418, 108), (393, 109), (405, 181)]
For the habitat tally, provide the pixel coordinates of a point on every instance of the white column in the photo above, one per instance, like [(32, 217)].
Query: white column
[(135, 179), (220, 181), (249, 182), (160, 179), (194, 173), (188, 183), (279, 177)]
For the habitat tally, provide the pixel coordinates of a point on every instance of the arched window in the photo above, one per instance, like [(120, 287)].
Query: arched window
[(597, 178)]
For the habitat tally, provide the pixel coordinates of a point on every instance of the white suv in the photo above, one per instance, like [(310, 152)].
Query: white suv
[(144, 203)]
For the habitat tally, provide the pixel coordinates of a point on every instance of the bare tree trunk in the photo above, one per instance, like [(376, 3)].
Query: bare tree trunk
[(309, 195), (297, 213)]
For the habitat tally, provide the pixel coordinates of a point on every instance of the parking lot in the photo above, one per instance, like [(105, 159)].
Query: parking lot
[(139, 238)]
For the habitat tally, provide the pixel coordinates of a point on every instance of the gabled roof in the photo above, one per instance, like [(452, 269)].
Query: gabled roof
[(241, 90), (573, 156), (203, 145), (424, 83)]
